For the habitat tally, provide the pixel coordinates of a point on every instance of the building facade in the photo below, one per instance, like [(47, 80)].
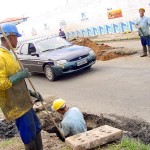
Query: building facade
[(87, 18)]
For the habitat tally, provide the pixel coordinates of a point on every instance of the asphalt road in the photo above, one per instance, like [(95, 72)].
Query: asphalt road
[(120, 86)]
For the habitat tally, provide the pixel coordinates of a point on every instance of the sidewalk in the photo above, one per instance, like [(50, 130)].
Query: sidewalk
[(116, 37)]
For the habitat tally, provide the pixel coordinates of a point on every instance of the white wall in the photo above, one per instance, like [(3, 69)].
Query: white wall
[(95, 10)]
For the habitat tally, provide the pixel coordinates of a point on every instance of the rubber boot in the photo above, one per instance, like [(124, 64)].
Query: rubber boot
[(31, 146), (38, 141), (144, 51), (149, 50)]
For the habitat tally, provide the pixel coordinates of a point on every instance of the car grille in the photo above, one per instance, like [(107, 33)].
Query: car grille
[(78, 58), (76, 67)]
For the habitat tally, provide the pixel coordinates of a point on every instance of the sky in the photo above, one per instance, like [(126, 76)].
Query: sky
[(27, 8)]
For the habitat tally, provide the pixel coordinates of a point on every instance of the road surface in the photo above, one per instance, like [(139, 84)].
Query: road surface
[(120, 86)]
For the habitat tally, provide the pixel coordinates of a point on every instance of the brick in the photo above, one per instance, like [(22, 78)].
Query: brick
[(94, 138)]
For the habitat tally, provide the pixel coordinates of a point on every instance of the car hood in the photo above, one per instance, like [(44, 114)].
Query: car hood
[(66, 53)]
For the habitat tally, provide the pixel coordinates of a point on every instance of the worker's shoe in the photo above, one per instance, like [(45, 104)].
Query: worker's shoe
[(144, 51), (38, 141), (149, 50), (144, 55), (31, 146)]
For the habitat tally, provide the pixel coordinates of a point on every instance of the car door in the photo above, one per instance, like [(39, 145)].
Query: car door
[(34, 61), (29, 57), (23, 54)]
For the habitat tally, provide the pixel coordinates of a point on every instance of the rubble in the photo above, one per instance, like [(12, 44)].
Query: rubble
[(103, 52)]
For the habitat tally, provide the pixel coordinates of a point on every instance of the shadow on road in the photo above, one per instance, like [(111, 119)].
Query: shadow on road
[(72, 75)]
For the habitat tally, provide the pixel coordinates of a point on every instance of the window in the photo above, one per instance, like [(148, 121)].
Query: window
[(52, 44), (24, 49), (31, 49)]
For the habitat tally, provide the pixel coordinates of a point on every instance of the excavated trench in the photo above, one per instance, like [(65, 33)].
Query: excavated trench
[(133, 128), (103, 51)]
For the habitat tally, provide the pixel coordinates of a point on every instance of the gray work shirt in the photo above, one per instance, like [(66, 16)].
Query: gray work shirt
[(73, 122), (144, 22)]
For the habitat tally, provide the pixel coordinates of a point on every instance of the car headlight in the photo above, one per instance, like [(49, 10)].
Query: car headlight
[(60, 62), (91, 52)]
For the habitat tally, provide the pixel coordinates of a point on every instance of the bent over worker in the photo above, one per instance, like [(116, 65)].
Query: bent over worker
[(14, 96), (73, 121), (143, 25)]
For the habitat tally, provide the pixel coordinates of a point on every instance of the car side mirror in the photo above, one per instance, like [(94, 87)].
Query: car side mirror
[(35, 54)]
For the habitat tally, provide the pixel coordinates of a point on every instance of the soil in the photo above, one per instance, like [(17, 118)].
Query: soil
[(103, 52), (7, 129), (133, 128)]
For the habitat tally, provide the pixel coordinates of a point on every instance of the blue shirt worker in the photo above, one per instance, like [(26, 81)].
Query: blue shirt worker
[(143, 24), (73, 121), (15, 100), (62, 34)]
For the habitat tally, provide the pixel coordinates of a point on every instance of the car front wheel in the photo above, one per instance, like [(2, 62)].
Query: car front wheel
[(49, 73)]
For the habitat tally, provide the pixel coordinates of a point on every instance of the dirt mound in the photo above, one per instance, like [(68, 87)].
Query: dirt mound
[(115, 53), (88, 43), (7, 130), (103, 52)]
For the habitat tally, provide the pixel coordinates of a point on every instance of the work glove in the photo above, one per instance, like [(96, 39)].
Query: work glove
[(36, 95), (22, 74)]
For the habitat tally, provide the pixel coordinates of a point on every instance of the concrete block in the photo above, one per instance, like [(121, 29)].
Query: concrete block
[(94, 138)]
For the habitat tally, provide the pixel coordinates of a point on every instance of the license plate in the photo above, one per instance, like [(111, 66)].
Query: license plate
[(82, 62)]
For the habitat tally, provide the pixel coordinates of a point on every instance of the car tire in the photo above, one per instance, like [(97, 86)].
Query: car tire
[(49, 73)]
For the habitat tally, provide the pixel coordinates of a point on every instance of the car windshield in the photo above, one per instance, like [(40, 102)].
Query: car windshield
[(52, 44)]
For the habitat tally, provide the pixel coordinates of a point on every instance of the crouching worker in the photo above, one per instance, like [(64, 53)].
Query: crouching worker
[(73, 121), (14, 96)]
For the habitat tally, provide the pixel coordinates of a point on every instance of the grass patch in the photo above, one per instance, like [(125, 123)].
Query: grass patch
[(129, 144), (126, 144), (11, 144)]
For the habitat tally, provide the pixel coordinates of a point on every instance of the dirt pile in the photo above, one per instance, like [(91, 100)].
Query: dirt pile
[(103, 52), (88, 43), (7, 130)]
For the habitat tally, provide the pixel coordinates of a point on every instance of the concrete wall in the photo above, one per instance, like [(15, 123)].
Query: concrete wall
[(86, 18)]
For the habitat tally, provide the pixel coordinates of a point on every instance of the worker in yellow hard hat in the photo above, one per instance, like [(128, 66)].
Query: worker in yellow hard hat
[(73, 121), (143, 25)]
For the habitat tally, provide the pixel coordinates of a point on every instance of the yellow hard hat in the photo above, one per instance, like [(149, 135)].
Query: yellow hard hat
[(57, 104), (142, 9)]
